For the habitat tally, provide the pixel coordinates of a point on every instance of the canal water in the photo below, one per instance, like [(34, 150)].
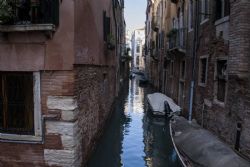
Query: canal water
[(133, 138)]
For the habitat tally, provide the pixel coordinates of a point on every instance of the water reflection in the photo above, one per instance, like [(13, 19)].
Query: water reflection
[(134, 138)]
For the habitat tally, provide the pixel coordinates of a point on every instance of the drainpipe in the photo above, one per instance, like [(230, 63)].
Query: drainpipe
[(195, 48)]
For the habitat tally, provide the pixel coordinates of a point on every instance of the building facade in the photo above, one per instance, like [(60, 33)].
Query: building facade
[(203, 62), (59, 76), (137, 49)]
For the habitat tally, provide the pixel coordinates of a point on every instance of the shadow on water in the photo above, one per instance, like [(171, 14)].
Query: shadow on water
[(133, 137)]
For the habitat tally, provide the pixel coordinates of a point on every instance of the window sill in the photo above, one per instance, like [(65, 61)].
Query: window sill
[(20, 138), (190, 29), (28, 27), (221, 20), (182, 80), (219, 103), (204, 21), (202, 85)]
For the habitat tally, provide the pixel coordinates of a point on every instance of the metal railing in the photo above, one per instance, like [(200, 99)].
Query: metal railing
[(178, 39), (34, 12)]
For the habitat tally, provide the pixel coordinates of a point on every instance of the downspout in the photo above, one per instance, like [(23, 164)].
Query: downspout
[(195, 48)]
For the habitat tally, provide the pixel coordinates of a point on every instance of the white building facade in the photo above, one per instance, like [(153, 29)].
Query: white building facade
[(137, 49)]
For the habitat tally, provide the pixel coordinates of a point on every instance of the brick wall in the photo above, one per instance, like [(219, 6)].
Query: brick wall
[(75, 105), (24, 155), (95, 95), (223, 119), (239, 70), (83, 108)]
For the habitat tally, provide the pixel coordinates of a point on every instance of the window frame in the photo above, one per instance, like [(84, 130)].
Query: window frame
[(138, 48), (205, 10), (182, 77), (223, 10), (200, 71), (171, 68), (216, 101), (37, 137), (190, 15)]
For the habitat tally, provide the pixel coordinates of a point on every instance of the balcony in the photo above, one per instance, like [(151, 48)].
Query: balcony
[(29, 15), (177, 41)]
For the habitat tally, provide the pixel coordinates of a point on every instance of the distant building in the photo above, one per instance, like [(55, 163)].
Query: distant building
[(137, 49), (128, 41)]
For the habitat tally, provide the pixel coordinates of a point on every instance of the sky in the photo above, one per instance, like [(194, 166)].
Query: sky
[(135, 13)]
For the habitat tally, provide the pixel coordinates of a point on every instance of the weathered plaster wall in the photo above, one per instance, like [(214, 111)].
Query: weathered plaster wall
[(33, 51), (78, 84), (89, 44)]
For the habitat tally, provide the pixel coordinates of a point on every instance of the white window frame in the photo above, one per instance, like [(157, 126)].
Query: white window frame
[(200, 71), (37, 137)]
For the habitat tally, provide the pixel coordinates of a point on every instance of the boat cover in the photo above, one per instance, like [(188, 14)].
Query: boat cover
[(156, 101), (202, 147)]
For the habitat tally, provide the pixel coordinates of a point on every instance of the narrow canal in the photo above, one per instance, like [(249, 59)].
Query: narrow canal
[(133, 137)]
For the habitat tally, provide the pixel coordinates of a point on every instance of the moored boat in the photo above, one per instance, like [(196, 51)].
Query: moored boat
[(162, 105), (198, 147)]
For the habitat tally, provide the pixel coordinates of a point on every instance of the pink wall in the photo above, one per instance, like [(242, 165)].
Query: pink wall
[(33, 51), (89, 44), (77, 40)]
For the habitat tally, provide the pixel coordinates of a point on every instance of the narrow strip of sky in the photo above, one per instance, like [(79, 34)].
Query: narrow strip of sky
[(135, 13)]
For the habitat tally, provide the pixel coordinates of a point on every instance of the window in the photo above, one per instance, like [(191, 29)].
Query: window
[(222, 9), (35, 11), (203, 71), (137, 61), (138, 48), (16, 101), (20, 111), (191, 14), (172, 68), (106, 27), (204, 9), (221, 80), (182, 70)]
